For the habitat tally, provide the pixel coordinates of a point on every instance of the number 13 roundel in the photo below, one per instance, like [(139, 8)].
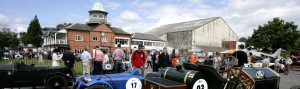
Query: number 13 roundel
[(200, 84)]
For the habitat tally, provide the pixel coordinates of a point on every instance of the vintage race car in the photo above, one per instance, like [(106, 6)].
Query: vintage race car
[(206, 77), (22, 75), (109, 81)]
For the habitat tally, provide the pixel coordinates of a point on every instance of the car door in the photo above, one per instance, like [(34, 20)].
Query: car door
[(23, 75)]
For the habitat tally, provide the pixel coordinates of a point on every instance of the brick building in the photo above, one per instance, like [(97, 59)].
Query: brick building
[(228, 45), (97, 31)]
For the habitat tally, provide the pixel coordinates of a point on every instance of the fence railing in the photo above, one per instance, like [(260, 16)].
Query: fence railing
[(45, 63)]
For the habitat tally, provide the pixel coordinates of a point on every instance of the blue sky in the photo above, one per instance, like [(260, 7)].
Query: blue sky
[(142, 15)]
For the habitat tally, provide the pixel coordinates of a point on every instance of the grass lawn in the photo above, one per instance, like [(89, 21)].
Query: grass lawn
[(77, 65)]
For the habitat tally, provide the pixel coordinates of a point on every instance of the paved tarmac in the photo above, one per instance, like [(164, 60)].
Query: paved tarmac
[(286, 82)]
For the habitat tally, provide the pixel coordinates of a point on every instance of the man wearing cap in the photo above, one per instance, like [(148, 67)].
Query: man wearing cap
[(118, 56), (138, 59)]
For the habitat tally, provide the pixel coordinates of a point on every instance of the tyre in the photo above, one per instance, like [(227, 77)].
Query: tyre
[(97, 87), (57, 82)]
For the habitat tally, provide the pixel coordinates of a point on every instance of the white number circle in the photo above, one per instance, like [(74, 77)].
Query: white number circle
[(133, 83), (200, 84), (107, 66)]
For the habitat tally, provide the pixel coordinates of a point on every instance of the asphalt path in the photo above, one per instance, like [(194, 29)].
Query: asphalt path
[(286, 82)]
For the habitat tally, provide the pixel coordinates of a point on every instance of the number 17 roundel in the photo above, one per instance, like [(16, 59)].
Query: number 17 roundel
[(133, 83), (200, 84)]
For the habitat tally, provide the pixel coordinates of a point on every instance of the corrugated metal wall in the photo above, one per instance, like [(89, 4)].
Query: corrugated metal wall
[(213, 33)]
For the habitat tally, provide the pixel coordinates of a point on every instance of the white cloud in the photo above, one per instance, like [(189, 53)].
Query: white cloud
[(4, 20), (127, 17), (20, 24), (242, 15), (112, 5), (148, 4)]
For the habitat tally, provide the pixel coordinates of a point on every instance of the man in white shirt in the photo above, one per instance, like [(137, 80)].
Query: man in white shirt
[(288, 63), (265, 61), (86, 57)]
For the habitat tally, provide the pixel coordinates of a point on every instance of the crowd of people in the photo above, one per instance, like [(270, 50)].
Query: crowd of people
[(242, 56), (140, 59)]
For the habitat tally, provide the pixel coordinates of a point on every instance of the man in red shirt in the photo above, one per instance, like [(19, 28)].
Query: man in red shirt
[(138, 59)]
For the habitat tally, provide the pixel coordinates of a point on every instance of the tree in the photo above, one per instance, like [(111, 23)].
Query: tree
[(63, 26), (273, 35), (34, 33), (8, 38), (23, 37), (243, 39), (47, 30)]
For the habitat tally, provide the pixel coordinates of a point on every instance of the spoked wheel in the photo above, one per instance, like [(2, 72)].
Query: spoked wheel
[(57, 82)]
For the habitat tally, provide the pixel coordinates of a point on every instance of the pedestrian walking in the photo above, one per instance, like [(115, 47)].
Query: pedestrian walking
[(86, 57), (138, 59), (98, 58), (118, 57), (68, 58)]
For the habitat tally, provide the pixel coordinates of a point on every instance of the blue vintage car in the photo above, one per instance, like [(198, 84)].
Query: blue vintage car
[(109, 81)]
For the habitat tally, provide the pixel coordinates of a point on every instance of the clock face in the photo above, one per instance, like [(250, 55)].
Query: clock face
[(259, 74)]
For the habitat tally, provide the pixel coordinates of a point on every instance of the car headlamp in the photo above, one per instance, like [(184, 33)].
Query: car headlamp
[(86, 79)]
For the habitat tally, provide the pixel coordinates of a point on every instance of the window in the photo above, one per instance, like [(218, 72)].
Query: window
[(137, 42), (78, 51), (121, 41), (95, 15), (101, 16), (102, 29), (226, 46), (104, 39), (78, 38), (95, 38), (148, 44)]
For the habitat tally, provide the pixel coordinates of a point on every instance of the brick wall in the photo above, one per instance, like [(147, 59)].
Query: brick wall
[(229, 45), (88, 38)]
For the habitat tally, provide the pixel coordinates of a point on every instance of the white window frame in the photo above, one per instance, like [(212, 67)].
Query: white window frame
[(77, 38), (94, 37), (104, 39), (123, 39)]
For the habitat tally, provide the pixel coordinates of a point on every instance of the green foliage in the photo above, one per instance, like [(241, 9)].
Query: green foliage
[(243, 39), (34, 33), (23, 37), (273, 35), (49, 30), (8, 38)]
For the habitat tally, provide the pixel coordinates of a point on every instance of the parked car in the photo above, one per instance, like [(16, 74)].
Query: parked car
[(109, 81), (22, 75)]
